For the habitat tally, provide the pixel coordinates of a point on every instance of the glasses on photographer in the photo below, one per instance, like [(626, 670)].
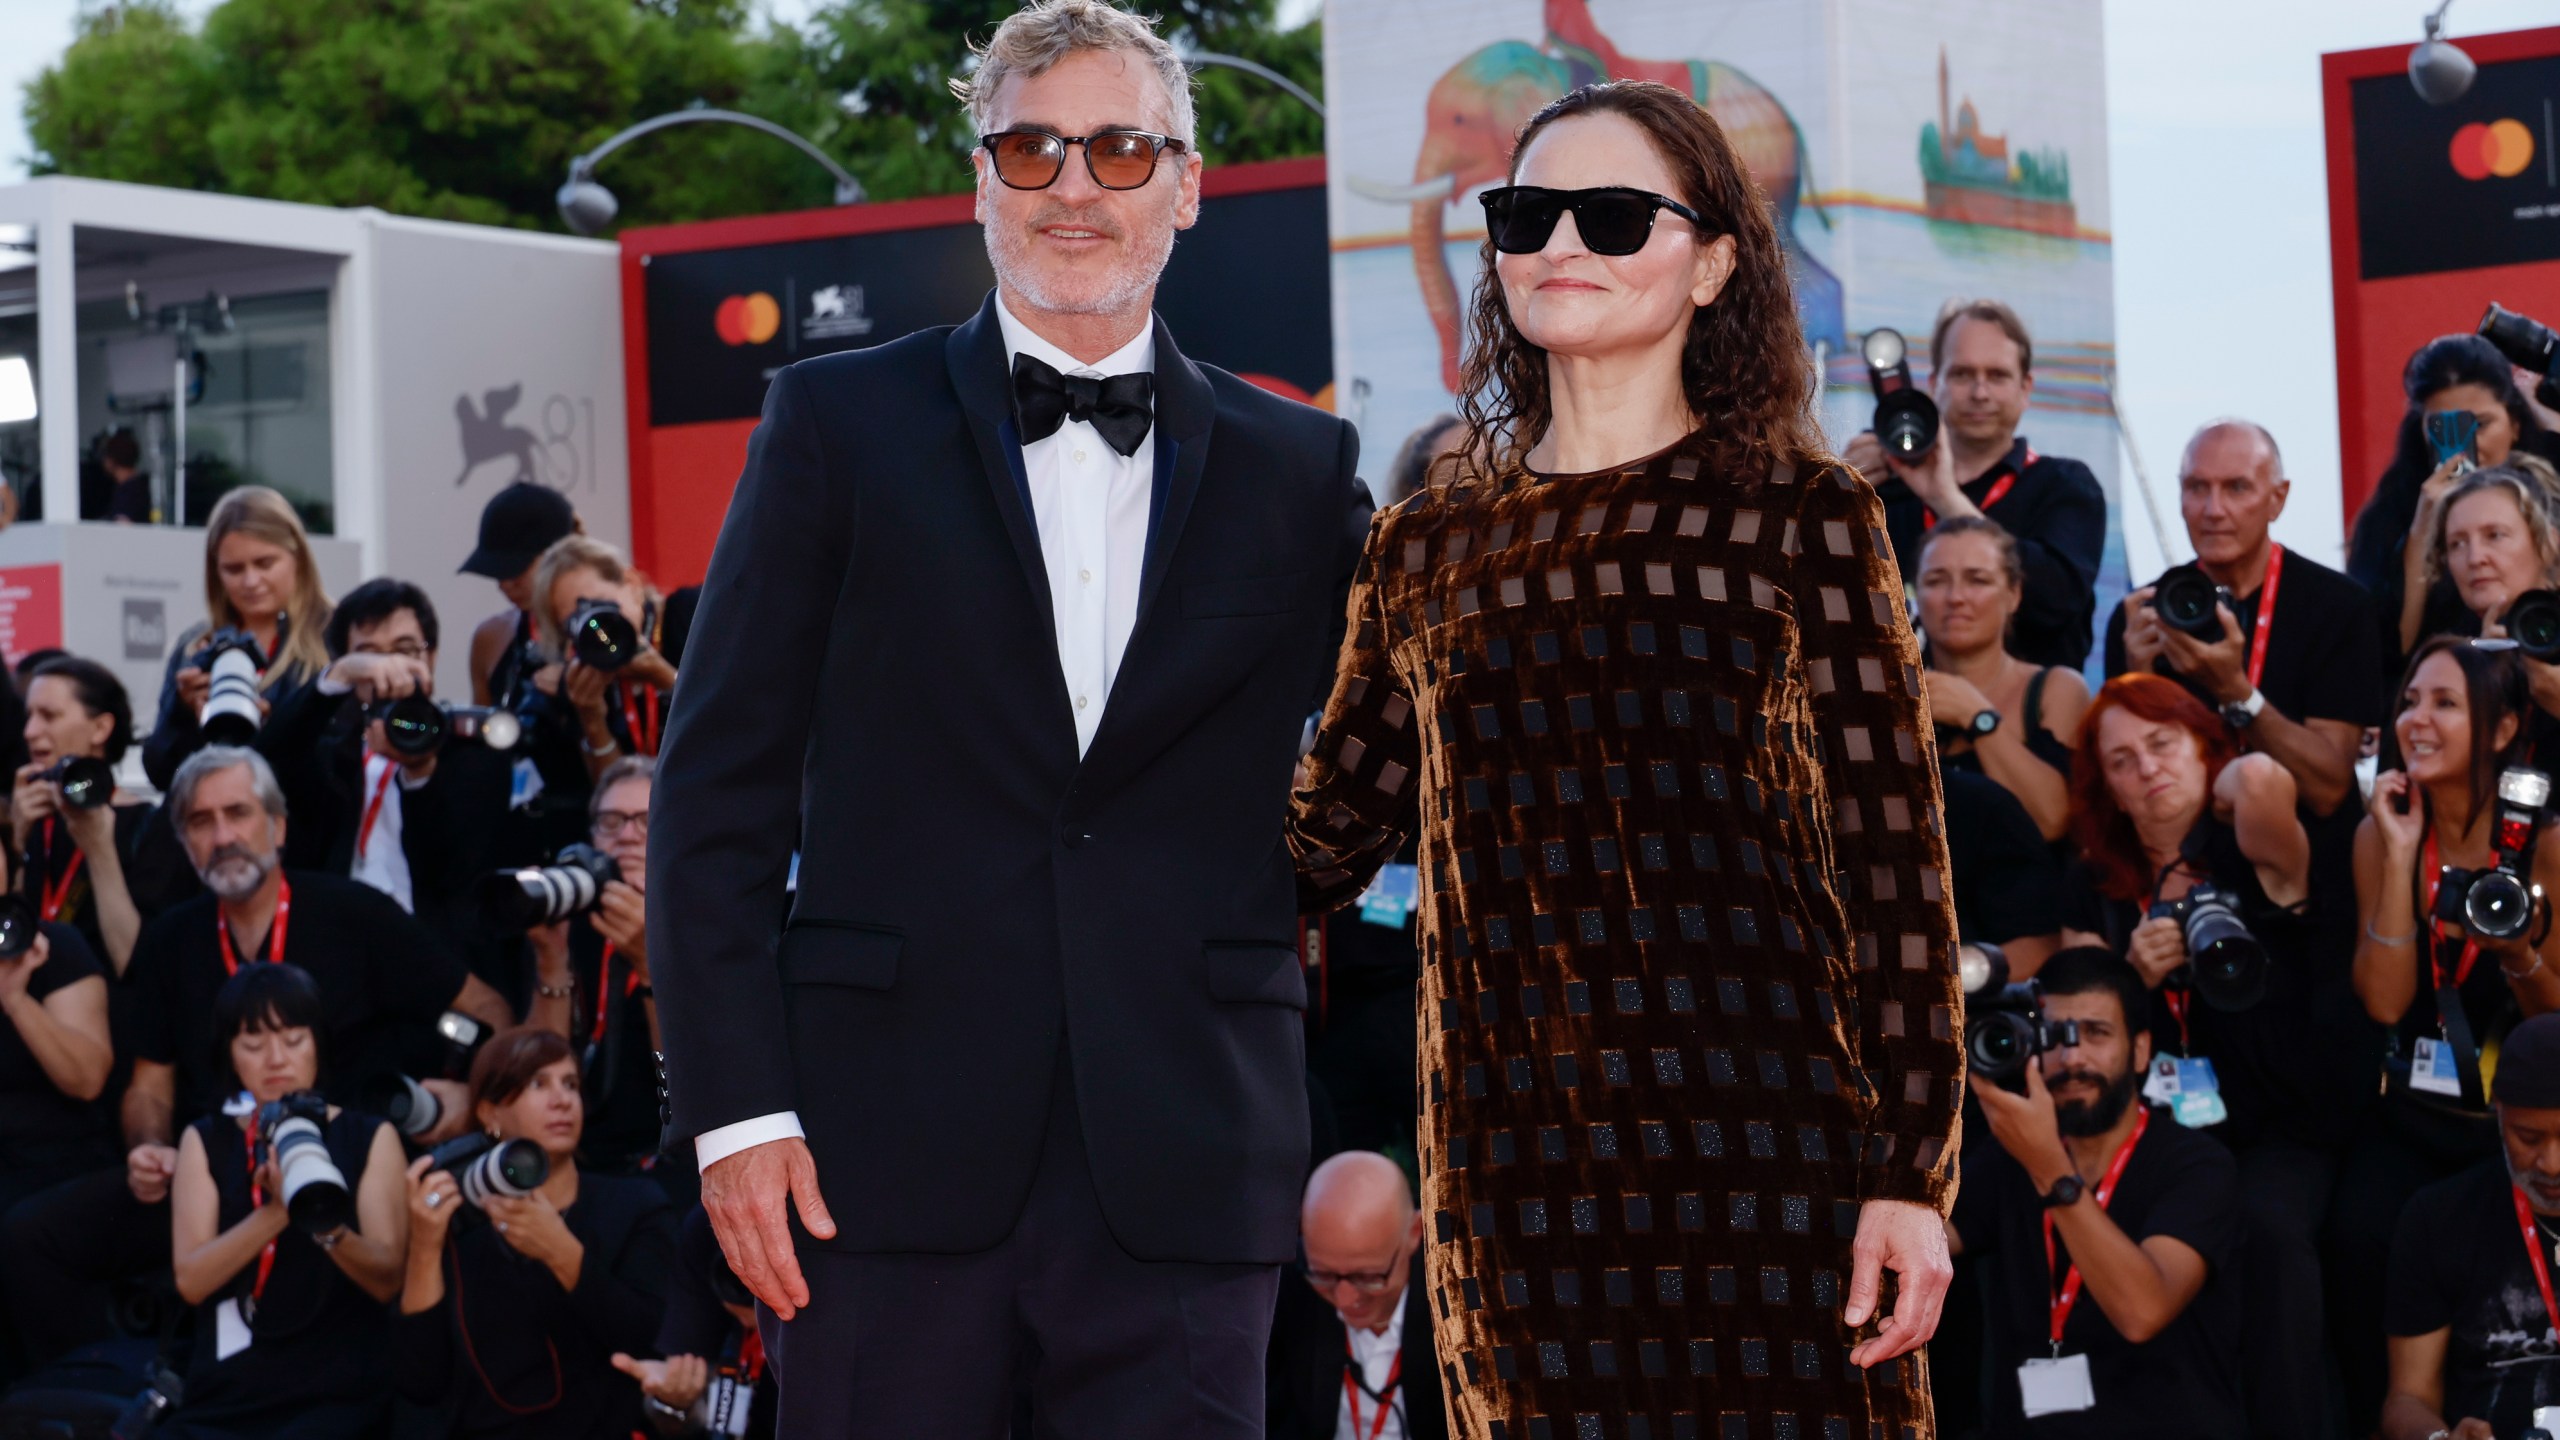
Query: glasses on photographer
[(1367, 1282), (1116, 159), (1612, 220), (610, 823)]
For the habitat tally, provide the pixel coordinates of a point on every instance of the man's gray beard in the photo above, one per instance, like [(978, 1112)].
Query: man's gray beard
[(222, 875), (1008, 253)]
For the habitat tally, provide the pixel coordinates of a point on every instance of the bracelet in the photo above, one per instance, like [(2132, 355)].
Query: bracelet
[(552, 992), (610, 747), (2378, 938), (2524, 974)]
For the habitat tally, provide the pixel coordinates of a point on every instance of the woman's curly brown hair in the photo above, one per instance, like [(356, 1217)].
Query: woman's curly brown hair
[(1746, 371)]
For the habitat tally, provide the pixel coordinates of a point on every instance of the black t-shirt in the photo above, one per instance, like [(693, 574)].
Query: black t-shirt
[(2184, 1381), (34, 1113), (2459, 1262), (620, 1081), (383, 978), (2058, 512), (156, 871), (2007, 883), (2323, 647)]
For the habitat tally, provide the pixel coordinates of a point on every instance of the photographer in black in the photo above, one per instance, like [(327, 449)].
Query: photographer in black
[(619, 641), (518, 1295), (2281, 645), (2450, 810), (287, 1232), (2196, 868), (1982, 375), (714, 1356), (98, 859), (2471, 1314), (511, 669), (262, 590), (55, 1052), (2112, 1231)]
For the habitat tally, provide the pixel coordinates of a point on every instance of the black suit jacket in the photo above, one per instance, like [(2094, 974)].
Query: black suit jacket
[(1303, 1378), (873, 673)]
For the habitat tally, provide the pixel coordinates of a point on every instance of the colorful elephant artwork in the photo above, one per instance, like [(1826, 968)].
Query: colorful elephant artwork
[(1479, 105)]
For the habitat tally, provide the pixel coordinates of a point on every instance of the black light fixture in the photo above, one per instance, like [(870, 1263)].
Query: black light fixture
[(2438, 69), (587, 207)]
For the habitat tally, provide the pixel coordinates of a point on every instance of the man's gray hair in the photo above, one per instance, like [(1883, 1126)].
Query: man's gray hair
[(1044, 32), (214, 759), (2265, 436), (643, 768)]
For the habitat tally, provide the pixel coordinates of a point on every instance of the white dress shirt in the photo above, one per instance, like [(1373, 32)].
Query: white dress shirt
[(379, 860), (1376, 1355), (1091, 506)]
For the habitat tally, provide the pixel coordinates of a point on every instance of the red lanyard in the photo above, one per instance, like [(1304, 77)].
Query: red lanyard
[(2106, 1191), (751, 1356), (2178, 1011), (1351, 1388), (275, 935), (604, 977), (2541, 1266), (2000, 489), (2266, 615), (57, 891), (2470, 944), (373, 807), (643, 741), (257, 1201)]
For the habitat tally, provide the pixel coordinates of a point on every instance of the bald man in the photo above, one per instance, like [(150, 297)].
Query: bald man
[(1351, 1347)]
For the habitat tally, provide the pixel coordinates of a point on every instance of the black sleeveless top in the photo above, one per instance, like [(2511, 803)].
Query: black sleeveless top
[(2041, 743)]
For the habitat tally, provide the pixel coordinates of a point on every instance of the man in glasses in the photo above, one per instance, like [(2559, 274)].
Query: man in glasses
[(1009, 634), (1351, 1354)]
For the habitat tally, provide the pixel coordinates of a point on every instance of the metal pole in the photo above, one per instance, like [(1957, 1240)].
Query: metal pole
[(848, 189), (178, 403), (1255, 67)]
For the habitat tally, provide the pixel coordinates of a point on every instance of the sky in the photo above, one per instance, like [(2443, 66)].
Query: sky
[(2219, 202)]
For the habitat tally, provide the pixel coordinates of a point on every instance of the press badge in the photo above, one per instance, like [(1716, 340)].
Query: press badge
[(230, 1329), (2198, 1101), (2160, 1087), (1390, 897), (2432, 1068), (2055, 1386), (524, 784)]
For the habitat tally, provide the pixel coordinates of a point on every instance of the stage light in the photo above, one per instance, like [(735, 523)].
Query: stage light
[(587, 206), (2437, 67), (17, 390)]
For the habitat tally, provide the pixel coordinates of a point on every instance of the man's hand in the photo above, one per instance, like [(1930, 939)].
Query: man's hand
[(148, 1170), (453, 1110), (2472, 1427), (2158, 948), (746, 1195), (2144, 635), (675, 1382), (1865, 454), (1911, 1241), (622, 916), (2220, 666), (381, 677), (2025, 1127)]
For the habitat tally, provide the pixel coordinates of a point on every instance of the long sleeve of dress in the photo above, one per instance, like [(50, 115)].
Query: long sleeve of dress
[(1359, 800), (1888, 838)]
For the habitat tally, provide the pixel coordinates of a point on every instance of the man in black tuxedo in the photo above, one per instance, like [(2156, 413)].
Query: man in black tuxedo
[(1010, 631), (1351, 1355)]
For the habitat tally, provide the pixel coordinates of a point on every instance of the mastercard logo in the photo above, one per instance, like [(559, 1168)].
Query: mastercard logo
[(2501, 148), (747, 319)]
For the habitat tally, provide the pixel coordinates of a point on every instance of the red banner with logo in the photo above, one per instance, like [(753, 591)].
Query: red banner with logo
[(30, 609)]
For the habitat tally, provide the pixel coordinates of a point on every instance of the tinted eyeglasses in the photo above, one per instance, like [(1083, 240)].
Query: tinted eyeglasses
[(1116, 159), (1612, 220)]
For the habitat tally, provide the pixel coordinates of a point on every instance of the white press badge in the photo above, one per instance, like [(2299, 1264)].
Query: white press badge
[(2160, 1085), (2051, 1387), (2432, 1068), (230, 1329), (2198, 1102)]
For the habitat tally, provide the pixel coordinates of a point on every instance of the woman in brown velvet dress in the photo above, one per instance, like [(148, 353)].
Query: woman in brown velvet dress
[(1642, 674)]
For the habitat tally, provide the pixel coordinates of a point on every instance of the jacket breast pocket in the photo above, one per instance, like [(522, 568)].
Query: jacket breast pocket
[(1255, 973), (1244, 595), (846, 955)]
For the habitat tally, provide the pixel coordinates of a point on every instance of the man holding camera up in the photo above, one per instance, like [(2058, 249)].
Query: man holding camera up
[(2470, 1312), (1981, 363), (2282, 645), (2111, 1230)]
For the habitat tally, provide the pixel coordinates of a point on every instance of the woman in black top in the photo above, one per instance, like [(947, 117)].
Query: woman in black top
[(290, 1325), (1997, 715), (55, 1056), (103, 868), (515, 1315), (260, 577)]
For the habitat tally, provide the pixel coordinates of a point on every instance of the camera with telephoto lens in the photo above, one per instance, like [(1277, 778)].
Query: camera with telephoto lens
[(2528, 344), (316, 1193), (86, 781), (2533, 622), (2499, 903), (2185, 599), (419, 725), (1906, 419), (541, 894), (231, 715), (2005, 1027), (484, 1166), (411, 1107), (601, 636), (2226, 966)]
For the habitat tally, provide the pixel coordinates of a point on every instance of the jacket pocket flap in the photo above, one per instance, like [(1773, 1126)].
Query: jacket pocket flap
[(1244, 595), (840, 955), (1261, 974)]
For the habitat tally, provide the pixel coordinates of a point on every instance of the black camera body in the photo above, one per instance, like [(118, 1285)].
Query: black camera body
[(2533, 622), (1906, 419), (2226, 965), (86, 782), (601, 636), (2186, 600), (2527, 343), (2500, 903), (231, 715), (316, 1193), (416, 726), (2005, 1027), (514, 900)]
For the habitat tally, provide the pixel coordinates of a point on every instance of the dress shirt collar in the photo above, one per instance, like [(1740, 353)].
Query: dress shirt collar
[(1020, 339), (1382, 1342)]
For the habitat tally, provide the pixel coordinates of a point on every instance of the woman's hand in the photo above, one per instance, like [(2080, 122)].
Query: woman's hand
[(2398, 817), (622, 916), (17, 971), (675, 1382), (92, 829), (270, 1182), (534, 1228), (1953, 700), (584, 686), (649, 668), (193, 685), (433, 1198), (30, 800), (2157, 949)]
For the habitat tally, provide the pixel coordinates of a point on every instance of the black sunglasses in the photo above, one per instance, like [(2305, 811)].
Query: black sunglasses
[(1116, 159), (1612, 220)]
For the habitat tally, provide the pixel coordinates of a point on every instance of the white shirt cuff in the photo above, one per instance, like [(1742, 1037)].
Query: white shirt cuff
[(713, 1146)]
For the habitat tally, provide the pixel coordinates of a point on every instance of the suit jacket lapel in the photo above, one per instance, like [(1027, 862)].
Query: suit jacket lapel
[(976, 357), (1186, 411)]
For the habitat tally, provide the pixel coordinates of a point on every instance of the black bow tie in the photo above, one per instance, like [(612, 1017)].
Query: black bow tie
[(1121, 407)]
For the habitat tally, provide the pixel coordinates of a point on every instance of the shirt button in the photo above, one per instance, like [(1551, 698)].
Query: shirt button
[(1079, 702), (1084, 577), (1079, 457)]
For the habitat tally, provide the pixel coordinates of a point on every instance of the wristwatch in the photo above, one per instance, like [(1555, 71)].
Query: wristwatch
[(2065, 1191), (2239, 713), (1984, 721)]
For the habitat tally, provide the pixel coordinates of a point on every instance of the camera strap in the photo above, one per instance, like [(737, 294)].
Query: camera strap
[(373, 805), (257, 1202), (2000, 489), (604, 984), (275, 933), (55, 892), (2541, 1264), (2433, 873), (2266, 615), (1353, 1387), (2453, 1022), (2106, 1191), (640, 720)]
